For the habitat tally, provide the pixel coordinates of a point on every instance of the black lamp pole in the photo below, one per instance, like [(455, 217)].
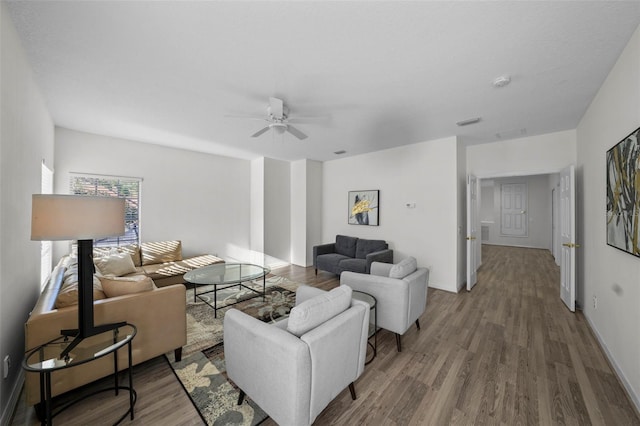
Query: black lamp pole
[(86, 327)]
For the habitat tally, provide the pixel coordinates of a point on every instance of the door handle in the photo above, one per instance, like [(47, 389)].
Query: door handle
[(523, 211), (471, 238), (571, 245)]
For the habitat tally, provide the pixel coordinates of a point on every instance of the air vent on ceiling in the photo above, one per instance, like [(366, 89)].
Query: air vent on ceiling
[(342, 151)]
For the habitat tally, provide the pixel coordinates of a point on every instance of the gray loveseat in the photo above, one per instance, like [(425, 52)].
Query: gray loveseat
[(350, 254)]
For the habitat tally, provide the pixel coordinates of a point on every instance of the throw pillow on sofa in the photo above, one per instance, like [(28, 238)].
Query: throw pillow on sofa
[(68, 294), (119, 286), (115, 264), (132, 249), (161, 252)]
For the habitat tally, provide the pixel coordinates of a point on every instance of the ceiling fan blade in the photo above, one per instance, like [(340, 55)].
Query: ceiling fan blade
[(249, 117), (309, 119), (277, 107), (259, 132), (295, 132)]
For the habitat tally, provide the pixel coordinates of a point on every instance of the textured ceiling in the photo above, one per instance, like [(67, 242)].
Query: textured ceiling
[(380, 74)]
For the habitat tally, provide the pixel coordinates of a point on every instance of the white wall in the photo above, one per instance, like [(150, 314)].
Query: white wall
[(257, 206), (277, 209), (201, 199), (608, 273), (26, 139), (538, 212), (425, 174), (306, 208), (461, 208), (532, 155)]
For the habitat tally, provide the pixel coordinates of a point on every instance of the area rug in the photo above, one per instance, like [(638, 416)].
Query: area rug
[(202, 370)]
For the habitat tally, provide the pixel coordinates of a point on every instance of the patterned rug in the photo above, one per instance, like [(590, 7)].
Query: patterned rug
[(202, 370)]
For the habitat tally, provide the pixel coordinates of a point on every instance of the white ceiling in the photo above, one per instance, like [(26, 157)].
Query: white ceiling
[(382, 74)]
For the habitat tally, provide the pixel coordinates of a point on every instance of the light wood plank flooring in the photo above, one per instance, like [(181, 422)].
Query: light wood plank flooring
[(507, 353)]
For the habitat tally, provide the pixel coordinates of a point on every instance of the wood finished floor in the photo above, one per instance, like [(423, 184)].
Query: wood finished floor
[(507, 353)]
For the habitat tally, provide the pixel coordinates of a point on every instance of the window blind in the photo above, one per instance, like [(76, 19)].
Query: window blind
[(113, 186)]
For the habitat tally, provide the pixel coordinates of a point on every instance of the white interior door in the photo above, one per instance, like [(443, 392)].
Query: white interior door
[(472, 231), (513, 209), (568, 237)]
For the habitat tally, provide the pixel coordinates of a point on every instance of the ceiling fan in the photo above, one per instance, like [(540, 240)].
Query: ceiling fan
[(278, 119)]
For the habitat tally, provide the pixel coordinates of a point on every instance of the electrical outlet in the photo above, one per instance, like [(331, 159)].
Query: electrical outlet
[(6, 365), (595, 302)]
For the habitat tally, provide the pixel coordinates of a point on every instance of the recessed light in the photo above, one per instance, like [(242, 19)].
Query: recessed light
[(468, 121), (342, 151), (502, 81)]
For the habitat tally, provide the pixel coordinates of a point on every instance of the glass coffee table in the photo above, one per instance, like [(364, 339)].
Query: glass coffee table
[(226, 275)]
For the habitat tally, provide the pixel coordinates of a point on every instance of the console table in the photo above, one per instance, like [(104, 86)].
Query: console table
[(45, 359)]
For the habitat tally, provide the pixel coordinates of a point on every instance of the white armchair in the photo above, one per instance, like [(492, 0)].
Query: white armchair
[(293, 369), (400, 291)]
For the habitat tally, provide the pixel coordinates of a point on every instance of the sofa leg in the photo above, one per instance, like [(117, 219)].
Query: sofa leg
[(398, 344), (316, 271), (418, 323), (241, 397), (177, 353), (352, 389)]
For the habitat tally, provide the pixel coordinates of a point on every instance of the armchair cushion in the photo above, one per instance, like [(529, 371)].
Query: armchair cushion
[(364, 247), (317, 310), (346, 246), (403, 268)]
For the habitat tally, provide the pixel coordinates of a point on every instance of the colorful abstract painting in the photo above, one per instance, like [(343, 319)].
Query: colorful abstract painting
[(623, 194), (364, 207)]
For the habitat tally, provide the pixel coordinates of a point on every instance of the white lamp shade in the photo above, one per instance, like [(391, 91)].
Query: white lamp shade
[(75, 217)]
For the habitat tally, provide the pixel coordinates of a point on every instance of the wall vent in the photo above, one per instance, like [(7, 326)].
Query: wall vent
[(484, 233)]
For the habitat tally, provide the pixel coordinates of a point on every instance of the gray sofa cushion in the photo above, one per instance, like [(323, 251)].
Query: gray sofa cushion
[(346, 246), (355, 265), (364, 247), (329, 262)]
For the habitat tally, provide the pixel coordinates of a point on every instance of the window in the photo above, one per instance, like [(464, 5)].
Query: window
[(46, 247), (112, 186)]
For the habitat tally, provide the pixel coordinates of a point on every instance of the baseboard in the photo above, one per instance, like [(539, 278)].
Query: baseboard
[(635, 399), (13, 400)]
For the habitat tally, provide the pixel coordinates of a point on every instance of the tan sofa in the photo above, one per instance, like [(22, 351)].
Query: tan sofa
[(159, 315), (162, 261)]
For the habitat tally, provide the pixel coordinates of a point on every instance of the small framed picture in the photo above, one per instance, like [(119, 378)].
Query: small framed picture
[(364, 207)]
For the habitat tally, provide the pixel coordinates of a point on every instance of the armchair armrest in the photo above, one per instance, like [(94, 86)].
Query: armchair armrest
[(392, 296), (259, 372), (383, 256)]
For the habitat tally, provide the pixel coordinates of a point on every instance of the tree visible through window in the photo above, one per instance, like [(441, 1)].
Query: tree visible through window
[(109, 186)]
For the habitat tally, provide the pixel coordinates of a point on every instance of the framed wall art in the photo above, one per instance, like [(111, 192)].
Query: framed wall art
[(364, 207), (623, 194)]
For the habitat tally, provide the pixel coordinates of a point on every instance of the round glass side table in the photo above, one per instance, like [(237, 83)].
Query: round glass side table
[(373, 325), (46, 359)]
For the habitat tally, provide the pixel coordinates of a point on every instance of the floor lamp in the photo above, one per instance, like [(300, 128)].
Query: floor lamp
[(82, 218)]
